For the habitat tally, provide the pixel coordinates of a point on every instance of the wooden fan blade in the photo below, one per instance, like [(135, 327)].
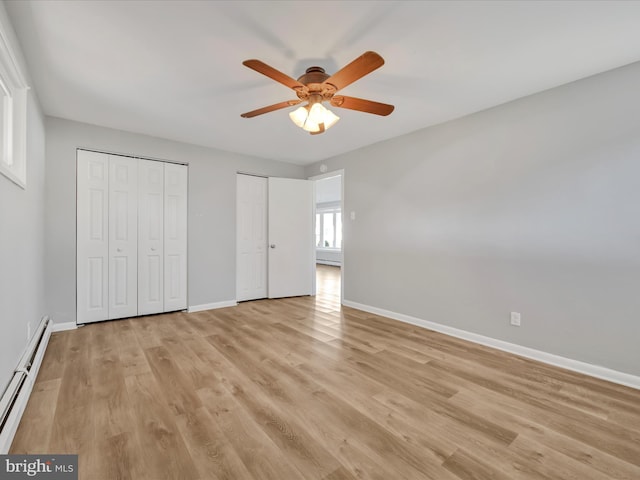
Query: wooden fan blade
[(362, 105), (270, 108), (361, 66), (272, 73)]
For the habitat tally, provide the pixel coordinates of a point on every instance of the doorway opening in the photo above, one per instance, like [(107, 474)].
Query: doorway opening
[(329, 241)]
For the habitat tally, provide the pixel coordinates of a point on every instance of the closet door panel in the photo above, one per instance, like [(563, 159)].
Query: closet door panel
[(123, 237), (175, 237), (92, 275), (251, 235), (150, 237)]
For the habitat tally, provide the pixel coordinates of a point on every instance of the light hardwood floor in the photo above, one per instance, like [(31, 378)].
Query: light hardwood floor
[(301, 389)]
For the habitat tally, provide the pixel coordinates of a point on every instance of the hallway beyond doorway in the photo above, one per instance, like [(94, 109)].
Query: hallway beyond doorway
[(328, 287)]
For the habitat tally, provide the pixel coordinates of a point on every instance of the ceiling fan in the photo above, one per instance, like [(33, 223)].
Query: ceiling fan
[(316, 86)]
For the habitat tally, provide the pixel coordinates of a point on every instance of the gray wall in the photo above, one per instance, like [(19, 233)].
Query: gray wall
[(532, 206), (21, 249), (21, 236), (212, 212)]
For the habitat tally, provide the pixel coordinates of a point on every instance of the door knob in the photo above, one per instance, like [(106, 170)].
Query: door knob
[(273, 245), (153, 249), (119, 250)]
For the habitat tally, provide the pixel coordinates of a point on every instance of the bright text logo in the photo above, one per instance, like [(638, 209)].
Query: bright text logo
[(50, 467)]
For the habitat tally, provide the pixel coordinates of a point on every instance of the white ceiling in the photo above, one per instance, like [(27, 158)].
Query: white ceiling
[(173, 69)]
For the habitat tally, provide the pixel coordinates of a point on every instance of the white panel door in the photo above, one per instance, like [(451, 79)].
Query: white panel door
[(291, 237), (92, 237), (123, 238), (175, 237), (150, 237), (251, 230)]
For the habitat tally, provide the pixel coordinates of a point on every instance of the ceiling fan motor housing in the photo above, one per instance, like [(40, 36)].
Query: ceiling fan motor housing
[(313, 79), (313, 75)]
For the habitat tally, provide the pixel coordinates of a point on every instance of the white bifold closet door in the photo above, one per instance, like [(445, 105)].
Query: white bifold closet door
[(131, 237), (150, 237), (123, 237), (175, 237), (92, 237)]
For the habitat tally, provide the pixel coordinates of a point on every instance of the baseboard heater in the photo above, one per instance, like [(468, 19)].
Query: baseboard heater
[(15, 397)]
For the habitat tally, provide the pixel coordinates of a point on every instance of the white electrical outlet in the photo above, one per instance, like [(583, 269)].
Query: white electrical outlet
[(515, 319)]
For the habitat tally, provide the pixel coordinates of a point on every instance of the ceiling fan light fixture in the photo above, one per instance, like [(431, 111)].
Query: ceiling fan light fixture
[(311, 127), (299, 116), (309, 118), (319, 114), (316, 113)]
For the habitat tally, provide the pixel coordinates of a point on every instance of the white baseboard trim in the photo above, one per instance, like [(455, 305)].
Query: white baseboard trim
[(63, 326), (596, 371), (212, 306)]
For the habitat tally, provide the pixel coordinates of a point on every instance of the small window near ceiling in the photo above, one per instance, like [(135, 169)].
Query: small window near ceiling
[(13, 115)]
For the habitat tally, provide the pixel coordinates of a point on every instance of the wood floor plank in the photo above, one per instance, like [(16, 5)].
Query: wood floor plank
[(37, 421), (419, 430), (342, 420), (115, 457), (73, 430), (132, 357), (260, 456), (296, 391), (177, 389), (340, 474), (616, 440), (52, 366), (537, 460), (522, 418), (468, 467), (212, 455), (302, 388), (162, 449), (311, 458)]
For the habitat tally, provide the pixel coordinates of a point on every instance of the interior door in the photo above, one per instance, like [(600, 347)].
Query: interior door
[(150, 237), (251, 227), (123, 237), (291, 237), (92, 236), (175, 237)]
